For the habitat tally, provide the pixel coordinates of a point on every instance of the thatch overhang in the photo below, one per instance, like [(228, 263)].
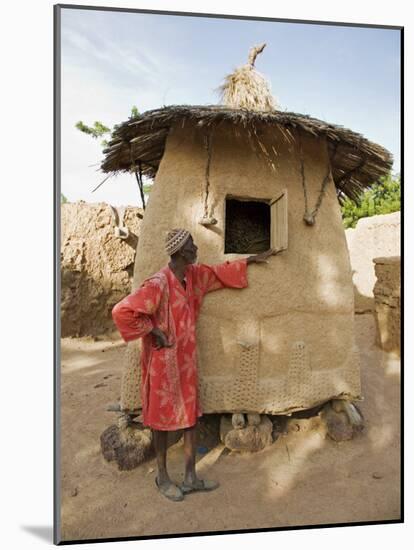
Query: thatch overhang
[(356, 162)]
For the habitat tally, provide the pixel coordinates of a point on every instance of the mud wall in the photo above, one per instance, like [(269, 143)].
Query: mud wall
[(387, 303), (378, 236), (96, 266)]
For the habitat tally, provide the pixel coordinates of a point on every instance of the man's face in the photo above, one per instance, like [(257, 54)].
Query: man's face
[(189, 251)]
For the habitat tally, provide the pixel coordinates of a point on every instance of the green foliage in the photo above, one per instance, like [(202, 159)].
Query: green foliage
[(382, 197), (147, 188), (63, 199), (134, 112), (99, 129)]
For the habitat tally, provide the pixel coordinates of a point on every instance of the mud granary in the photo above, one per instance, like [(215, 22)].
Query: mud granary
[(242, 180)]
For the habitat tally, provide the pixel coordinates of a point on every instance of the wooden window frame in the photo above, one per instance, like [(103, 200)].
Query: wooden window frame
[(279, 221), (278, 218)]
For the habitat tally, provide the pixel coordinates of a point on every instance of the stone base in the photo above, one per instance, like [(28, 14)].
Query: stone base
[(129, 443), (342, 419), (251, 438), (128, 446)]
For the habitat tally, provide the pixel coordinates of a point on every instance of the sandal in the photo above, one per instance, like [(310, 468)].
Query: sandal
[(199, 485), (170, 491)]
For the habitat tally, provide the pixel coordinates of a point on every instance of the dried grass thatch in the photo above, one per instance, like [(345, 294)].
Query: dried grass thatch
[(246, 88), (356, 162)]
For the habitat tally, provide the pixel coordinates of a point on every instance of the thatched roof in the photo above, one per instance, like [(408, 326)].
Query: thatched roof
[(356, 162)]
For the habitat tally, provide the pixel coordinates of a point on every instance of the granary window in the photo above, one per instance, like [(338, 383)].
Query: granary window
[(255, 225)]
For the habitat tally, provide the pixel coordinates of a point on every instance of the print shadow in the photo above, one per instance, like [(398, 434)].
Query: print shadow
[(43, 532)]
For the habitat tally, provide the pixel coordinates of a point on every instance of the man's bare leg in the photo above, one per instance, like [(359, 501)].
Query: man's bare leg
[(160, 444), (191, 481), (190, 476), (167, 487)]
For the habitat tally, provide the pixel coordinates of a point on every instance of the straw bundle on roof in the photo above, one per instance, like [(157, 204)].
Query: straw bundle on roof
[(246, 88)]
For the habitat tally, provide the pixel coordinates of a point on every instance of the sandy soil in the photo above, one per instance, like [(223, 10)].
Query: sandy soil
[(304, 478)]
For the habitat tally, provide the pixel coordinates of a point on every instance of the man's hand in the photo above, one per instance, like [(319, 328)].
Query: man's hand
[(161, 340), (262, 257)]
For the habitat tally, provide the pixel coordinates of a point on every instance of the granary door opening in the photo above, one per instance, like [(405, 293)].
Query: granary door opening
[(247, 229), (255, 225)]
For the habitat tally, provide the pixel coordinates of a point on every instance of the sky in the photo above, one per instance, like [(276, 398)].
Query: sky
[(114, 60)]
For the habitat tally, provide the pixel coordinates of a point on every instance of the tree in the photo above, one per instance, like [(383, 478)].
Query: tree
[(98, 130), (383, 197), (134, 112), (63, 199)]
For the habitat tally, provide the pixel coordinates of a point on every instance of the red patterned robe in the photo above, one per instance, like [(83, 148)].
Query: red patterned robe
[(169, 375)]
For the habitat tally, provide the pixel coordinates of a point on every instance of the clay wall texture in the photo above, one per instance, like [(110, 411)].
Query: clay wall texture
[(96, 267), (287, 341), (377, 236), (387, 302)]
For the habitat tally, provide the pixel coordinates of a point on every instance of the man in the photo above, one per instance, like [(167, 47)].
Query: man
[(163, 312)]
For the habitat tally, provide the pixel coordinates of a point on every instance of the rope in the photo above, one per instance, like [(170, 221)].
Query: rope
[(140, 183), (138, 175), (322, 192), (207, 145), (302, 171), (309, 217)]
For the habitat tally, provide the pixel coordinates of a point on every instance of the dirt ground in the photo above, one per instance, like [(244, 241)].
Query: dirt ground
[(304, 478)]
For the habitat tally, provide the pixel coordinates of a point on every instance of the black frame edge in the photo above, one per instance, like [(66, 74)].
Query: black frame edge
[(56, 270)]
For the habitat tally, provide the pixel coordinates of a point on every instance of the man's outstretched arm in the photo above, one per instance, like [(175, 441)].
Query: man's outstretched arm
[(229, 274), (262, 257)]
